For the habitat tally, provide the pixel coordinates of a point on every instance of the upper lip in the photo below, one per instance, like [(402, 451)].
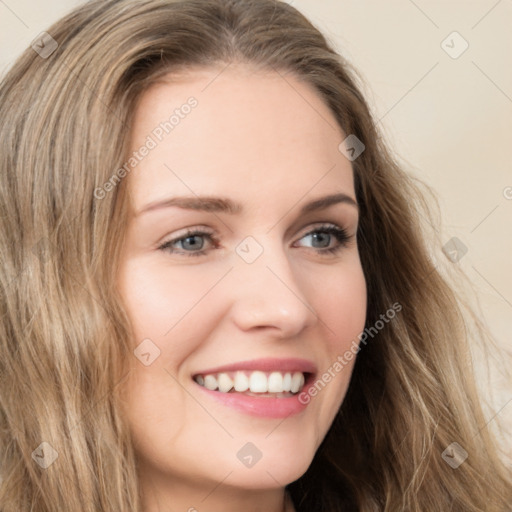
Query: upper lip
[(265, 365)]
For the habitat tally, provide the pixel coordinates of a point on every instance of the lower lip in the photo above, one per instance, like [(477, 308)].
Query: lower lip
[(264, 407)]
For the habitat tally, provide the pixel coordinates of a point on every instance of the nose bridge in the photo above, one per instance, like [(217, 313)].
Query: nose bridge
[(267, 291)]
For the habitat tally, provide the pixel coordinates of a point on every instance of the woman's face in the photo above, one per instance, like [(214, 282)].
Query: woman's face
[(263, 292)]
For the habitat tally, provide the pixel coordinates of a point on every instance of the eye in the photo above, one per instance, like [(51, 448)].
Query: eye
[(324, 236), (192, 243)]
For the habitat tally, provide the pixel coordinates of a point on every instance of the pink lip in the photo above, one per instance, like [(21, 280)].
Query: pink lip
[(264, 407), (265, 365)]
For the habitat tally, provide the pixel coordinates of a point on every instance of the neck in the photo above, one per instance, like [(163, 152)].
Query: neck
[(164, 495)]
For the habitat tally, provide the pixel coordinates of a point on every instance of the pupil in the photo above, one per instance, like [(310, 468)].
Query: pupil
[(192, 245), (318, 237)]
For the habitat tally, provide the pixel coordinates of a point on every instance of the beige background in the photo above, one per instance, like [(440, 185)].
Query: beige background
[(449, 119)]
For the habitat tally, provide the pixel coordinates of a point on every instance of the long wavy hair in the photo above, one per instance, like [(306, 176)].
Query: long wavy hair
[(65, 337)]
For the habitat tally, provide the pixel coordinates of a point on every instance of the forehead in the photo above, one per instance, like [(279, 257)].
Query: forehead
[(249, 132)]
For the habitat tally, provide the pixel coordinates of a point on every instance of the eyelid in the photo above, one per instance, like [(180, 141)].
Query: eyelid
[(188, 231), (316, 226)]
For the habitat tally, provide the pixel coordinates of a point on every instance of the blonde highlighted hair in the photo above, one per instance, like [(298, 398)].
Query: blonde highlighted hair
[(65, 337)]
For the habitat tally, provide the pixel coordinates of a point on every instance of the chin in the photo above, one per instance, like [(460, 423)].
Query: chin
[(284, 458), (275, 474)]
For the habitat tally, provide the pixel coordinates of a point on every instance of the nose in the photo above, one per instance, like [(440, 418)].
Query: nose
[(269, 293)]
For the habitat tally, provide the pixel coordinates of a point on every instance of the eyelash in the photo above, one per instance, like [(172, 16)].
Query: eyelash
[(340, 235)]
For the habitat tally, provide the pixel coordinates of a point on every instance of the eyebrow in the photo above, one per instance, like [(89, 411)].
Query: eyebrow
[(225, 205)]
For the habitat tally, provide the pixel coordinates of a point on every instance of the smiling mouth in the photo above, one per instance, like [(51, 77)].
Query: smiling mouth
[(256, 383)]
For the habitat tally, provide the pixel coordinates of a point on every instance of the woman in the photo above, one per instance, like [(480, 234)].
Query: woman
[(217, 293)]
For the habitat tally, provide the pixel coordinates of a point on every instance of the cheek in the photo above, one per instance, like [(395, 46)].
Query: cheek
[(162, 307), (161, 304), (167, 314), (340, 302), (341, 308)]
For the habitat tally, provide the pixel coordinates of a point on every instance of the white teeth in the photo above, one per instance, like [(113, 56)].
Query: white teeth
[(210, 382), (297, 382), (253, 382), (258, 382), (225, 382), (241, 382), (275, 383), (287, 382)]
